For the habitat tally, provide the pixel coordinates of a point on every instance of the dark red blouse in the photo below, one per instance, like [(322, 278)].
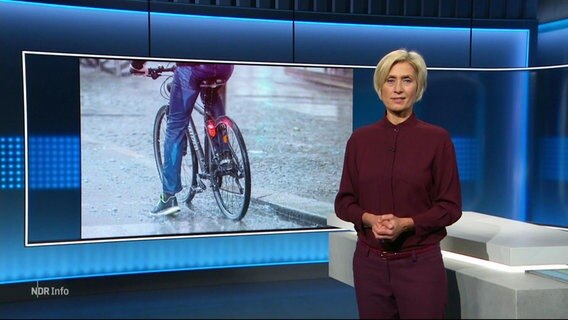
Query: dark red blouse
[(409, 170)]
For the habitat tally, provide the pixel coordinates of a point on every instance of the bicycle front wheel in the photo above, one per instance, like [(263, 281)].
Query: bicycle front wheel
[(188, 173), (232, 183)]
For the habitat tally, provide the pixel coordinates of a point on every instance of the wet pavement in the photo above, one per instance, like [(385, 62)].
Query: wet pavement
[(295, 131)]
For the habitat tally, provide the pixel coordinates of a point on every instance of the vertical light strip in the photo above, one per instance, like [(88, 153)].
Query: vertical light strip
[(524, 139), (519, 132), (520, 147)]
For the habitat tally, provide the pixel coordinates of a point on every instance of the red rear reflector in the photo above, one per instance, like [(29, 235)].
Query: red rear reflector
[(211, 130)]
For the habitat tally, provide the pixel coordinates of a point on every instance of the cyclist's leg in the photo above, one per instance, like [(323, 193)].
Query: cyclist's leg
[(182, 99)]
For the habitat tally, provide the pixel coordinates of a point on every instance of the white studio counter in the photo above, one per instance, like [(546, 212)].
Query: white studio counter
[(486, 256)]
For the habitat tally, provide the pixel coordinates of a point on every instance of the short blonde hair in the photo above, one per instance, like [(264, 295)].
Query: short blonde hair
[(402, 55)]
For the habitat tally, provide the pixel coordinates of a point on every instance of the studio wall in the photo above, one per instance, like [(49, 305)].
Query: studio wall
[(548, 195), (139, 31)]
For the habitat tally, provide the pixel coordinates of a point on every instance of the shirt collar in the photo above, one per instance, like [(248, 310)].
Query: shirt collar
[(411, 121)]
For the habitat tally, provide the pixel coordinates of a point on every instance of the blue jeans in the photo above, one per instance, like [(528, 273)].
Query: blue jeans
[(184, 92)]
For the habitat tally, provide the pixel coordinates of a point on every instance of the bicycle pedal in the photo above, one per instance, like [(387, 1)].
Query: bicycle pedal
[(197, 189), (201, 186)]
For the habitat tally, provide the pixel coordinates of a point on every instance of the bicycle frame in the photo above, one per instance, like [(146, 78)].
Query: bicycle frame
[(204, 172)]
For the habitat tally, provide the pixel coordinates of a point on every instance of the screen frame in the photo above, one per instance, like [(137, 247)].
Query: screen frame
[(28, 243)]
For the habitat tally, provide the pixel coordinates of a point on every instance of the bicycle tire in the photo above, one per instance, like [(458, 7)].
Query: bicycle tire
[(115, 67), (189, 160), (232, 188)]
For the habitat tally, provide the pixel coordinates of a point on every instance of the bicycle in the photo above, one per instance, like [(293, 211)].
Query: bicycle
[(230, 182)]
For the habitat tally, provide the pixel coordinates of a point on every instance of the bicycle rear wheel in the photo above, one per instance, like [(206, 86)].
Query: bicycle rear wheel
[(189, 160), (232, 184)]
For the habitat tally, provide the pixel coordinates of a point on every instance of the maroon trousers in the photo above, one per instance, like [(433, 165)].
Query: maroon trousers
[(413, 287)]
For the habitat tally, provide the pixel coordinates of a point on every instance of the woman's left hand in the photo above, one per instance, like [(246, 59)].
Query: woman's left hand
[(390, 227)]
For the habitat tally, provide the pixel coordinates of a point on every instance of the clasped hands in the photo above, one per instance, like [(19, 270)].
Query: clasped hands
[(387, 226)]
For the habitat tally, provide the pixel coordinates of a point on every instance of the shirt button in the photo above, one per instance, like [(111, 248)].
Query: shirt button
[(395, 129)]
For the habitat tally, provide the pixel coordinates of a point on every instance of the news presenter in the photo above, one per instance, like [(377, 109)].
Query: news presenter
[(400, 188)]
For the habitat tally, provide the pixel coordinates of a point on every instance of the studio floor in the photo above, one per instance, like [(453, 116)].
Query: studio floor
[(296, 292)]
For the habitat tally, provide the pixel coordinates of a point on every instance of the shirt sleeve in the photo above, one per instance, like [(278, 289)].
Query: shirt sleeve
[(446, 193), (347, 200)]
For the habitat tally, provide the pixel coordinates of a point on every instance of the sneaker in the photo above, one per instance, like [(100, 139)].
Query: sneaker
[(166, 207)]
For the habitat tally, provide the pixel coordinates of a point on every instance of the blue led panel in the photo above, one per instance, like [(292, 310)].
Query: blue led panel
[(220, 38), (54, 162), (11, 163), (74, 28), (364, 44), (554, 153), (553, 43), (468, 158), (499, 48), (131, 257)]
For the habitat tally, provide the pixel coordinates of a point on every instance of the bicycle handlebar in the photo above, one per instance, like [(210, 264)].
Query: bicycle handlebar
[(154, 73)]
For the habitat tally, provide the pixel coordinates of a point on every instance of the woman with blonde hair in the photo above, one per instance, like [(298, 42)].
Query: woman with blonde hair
[(400, 188)]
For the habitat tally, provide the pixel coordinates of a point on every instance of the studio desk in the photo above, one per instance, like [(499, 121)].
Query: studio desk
[(490, 262)]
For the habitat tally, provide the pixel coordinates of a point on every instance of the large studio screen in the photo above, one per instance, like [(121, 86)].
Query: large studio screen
[(96, 147)]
